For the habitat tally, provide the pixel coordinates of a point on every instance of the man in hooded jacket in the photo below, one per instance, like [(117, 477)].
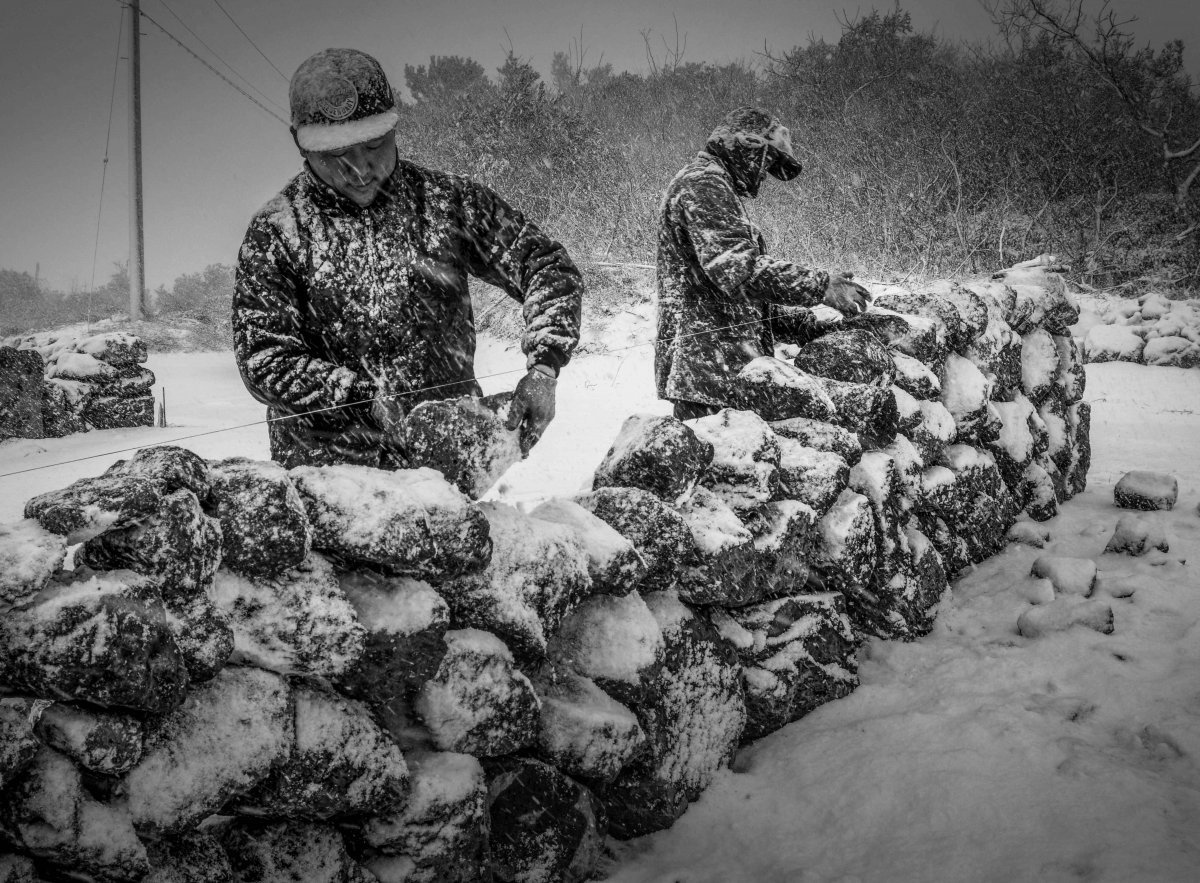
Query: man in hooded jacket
[(717, 285), (351, 302)]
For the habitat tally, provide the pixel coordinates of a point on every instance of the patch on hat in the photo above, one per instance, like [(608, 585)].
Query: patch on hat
[(339, 101)]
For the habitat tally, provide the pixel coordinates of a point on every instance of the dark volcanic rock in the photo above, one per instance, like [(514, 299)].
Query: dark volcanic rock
[(657, 531), (18, 744), (658, 454), (285, 851), (852, 355), (1144, 490), (822, 436), (745, 467), (614, 565), (725, 555), (775, 390), (928, 306), (813, 477), (21, 375), (582, 730), (922, 339), (29, 556), (464, 438), (93, 505), (265, 530), (100, 741), (113, 412), (188, 857), (177, 469)]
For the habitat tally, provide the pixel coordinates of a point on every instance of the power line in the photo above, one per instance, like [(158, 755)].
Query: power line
[(252, 43), (232, 84), (104, 167), (214, 54)]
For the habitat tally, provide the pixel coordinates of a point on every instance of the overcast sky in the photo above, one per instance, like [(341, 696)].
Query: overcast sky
[(211, 157)]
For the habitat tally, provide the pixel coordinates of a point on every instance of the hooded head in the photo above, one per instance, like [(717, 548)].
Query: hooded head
[(340, 97), (751, 143)]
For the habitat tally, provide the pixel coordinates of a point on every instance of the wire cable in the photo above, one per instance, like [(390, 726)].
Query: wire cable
[(104, 166), (214, 54), (381, 398), (252, 43)]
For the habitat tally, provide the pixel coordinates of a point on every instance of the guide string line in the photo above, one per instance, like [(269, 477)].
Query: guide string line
[(379, 398)]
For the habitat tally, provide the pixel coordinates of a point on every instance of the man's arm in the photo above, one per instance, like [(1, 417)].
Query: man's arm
[(276, 365)]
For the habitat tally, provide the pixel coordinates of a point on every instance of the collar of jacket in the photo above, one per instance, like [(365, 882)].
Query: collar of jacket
[(326, 197), (743, 165)]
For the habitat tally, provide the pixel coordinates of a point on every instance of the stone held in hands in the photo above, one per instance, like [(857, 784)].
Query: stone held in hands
[(464, 438)]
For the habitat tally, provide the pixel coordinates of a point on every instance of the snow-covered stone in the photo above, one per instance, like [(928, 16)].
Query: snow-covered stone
[(966, 393), (1079, 430), (1039, 365), (776, 390), (1135, 535), (177, 545), (1036, 491), (847, 545), (97, 637), (18, 744), (614, 565), (997, 354), (583, 731), (927, 306), (614, 641), (1173, 351), (299, 623), (188, 857), (544, 825), (1069, 576), (538, 572), (21, 398), (203, 634), (307, 851), (811, 476), (440, 832), (1071, 379), (70, 365), (29, 556), (724, 553), (224, 739), (745, 466), (1112, 343), (176, 468), (924, 339), (117, 348), (821, 436), (341, 764), (935, 430), (916, 378), (478, 702), (115, 412), (91, 506), (63, 404), (784, 534), (657, 532), (466, 439), (693, 715), (50, 816), (1144, 490), (1028, 533), (1063, 613), (103, 742), (851, 355), (867, 410), (411, 521), (658, 454), (263, 524), (17, 869)]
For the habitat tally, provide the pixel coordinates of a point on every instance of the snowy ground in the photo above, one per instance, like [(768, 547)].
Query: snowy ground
[(971, 755)]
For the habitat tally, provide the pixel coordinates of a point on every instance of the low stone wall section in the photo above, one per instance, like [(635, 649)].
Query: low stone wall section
[(1151, 330)]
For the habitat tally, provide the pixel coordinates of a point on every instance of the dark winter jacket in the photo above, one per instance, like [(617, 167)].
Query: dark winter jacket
[(714, 272), (336, 304)]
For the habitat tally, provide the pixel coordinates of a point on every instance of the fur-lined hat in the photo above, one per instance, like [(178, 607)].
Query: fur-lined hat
[(340, 97)]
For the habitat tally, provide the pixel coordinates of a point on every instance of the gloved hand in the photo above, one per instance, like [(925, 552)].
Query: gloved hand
[(846, 296), (532, 406)]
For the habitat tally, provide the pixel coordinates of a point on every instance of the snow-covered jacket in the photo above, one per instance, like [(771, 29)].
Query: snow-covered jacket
[(336, 304), (717, 284)]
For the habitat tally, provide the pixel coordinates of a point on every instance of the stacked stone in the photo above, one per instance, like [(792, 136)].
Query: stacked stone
[(71, 383), (1149, 330)]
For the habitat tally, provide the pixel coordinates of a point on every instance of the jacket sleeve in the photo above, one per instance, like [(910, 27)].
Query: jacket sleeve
[(276, 364), (732, 254), (508, 251)]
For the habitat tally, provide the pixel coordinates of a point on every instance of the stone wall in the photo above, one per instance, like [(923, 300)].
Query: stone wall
[(1149, 330), (55, 384), (345, 674)]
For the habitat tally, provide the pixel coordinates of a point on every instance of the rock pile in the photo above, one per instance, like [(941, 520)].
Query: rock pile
[(1150, 330), (56, 384), (230, 671)]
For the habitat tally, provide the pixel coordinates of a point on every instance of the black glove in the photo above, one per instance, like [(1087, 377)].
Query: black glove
[(532, 406), (846, 296)]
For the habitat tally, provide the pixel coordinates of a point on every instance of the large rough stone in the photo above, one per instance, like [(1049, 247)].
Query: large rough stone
[(658, 454), (813, 477), (91, 506), (657, 531), (545, 826), (776, 390), (1039, 365), (1068, 576), (17, 869), (583, 731), (18, 744), (745, 467), (1064, 613), (693, 715), (176, 468), (117, 348), (411, 521), (798, 653), (114, 412), (405, 622), (870, 411), (465, 439), (97, 637), (916, 378), (966, 393), (538, 572), (852, 355), (997, 354), (21, 375), (440, 833), (922, 338), (50, 816), (100, 741), (1072, 376), (130, 383), (1147, 491), (29, 556), (1023, 437), (724, 557), (177, 545), (927, 306), (972, 310), (478, 702), (614, 565), (847, 546), (1137, 536), (784, 538), (821, 436), (284, 851), (342, 764), (240, 723), (263, 524), (299, 623), (203, 633), (933, 432), (188, 857), (1079, 429), (614, 641), (63, 404)]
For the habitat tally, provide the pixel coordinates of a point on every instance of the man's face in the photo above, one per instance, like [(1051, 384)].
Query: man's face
[(357, 172)]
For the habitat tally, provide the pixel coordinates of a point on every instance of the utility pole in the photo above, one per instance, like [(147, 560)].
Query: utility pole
[(137, 249)]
